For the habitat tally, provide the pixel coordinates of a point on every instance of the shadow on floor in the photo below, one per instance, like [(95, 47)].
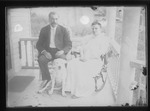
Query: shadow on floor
[(19, 83)]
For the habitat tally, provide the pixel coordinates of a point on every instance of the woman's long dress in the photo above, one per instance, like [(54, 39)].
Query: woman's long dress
[(81, 73)]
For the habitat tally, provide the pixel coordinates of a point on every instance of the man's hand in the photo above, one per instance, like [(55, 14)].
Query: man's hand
[(59, 53), (47, 55)]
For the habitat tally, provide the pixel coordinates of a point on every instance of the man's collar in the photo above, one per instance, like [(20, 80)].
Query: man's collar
[(53, 27)]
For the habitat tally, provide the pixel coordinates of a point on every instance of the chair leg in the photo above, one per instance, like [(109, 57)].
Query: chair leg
[(40, 75)]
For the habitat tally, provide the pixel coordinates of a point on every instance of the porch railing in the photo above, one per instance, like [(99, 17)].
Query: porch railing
[(28, 53), (139, 95)]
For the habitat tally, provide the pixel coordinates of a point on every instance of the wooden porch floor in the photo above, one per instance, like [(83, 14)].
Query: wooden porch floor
[(29, 96)]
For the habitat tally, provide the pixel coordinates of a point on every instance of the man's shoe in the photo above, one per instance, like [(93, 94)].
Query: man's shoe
[(43, 84)]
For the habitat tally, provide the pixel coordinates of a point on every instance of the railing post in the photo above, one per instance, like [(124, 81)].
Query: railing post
[(32, 44), (20, 49), (25, 42)]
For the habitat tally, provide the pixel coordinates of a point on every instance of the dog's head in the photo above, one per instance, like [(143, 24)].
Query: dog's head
[(52, 70), (59, 63)]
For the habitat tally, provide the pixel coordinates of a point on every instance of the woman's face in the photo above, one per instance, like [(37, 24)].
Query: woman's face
[(96, 29)]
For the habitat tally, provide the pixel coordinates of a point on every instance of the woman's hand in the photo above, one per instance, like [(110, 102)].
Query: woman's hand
[(83, 59)]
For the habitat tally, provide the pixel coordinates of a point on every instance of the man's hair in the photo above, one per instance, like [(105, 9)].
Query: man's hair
[(96, 22), (52, 13)]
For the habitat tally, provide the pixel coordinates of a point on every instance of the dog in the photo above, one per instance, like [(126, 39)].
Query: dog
[(58, 74)]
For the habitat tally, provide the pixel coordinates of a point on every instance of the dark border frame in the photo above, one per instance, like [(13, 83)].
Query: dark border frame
[(36, 3)]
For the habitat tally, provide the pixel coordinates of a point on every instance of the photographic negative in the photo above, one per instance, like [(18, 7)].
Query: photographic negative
[(104, 49)]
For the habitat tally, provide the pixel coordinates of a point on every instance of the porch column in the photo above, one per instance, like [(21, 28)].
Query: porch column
[(131, 20)]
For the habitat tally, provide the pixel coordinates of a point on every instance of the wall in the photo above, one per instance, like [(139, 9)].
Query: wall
[(69, 16), (18, 27)]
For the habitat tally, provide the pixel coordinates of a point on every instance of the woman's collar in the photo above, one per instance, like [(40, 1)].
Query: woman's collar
[(98, 35)]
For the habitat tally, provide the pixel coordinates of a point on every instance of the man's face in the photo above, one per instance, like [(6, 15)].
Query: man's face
[(53, 20)]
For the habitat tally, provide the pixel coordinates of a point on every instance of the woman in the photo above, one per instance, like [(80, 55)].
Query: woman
[(82, 70)]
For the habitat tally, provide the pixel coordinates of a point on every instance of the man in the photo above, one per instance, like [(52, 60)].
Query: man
[(54, 42)]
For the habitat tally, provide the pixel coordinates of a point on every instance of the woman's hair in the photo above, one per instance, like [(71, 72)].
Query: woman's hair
[(96, 22)]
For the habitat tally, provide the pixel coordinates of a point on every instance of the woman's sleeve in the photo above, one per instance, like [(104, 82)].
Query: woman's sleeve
[(104, 46)]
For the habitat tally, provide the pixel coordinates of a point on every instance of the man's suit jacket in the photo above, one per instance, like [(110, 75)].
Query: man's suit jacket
[(62, 39)]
